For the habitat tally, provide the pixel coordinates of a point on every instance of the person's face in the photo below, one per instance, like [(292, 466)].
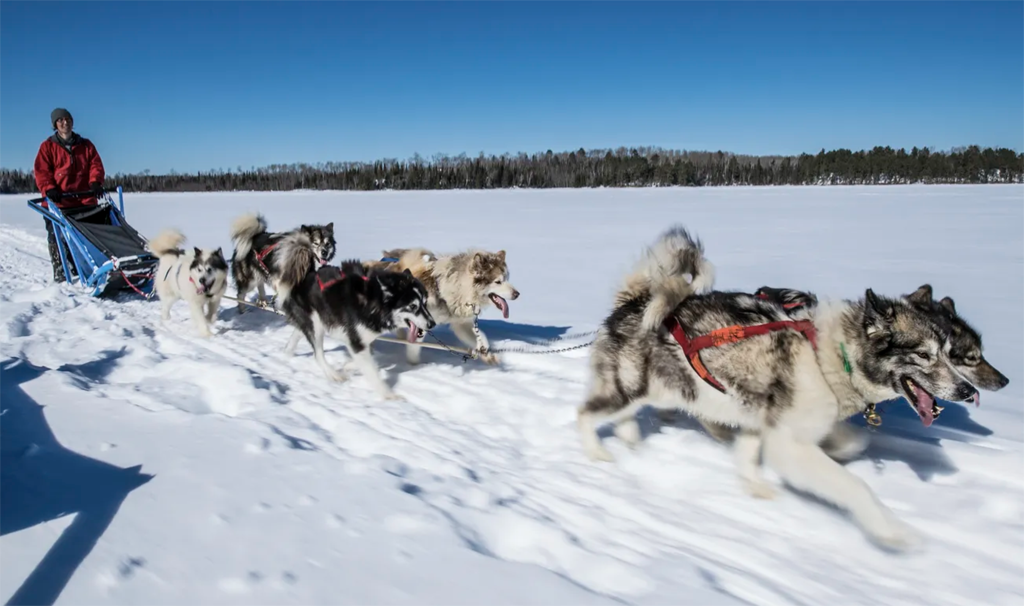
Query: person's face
[(64, 126)]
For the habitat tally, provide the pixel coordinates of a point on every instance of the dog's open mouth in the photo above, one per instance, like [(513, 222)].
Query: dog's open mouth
[(922, 401), (415, 332), (500, 303)]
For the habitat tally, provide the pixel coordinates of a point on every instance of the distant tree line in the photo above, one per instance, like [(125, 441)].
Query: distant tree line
[(632, 167)]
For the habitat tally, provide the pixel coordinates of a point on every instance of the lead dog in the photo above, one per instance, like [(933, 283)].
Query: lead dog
[(784, 389)]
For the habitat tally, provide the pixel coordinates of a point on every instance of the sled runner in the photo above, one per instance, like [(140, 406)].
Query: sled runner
[(108, 254)]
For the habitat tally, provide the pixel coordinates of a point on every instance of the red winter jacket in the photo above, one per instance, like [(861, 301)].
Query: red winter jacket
[(69, 171)]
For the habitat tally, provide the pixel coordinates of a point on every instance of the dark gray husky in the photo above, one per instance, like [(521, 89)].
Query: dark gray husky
[(782, 376)]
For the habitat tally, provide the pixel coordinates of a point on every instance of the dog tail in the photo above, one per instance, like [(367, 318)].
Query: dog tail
[(294, 259), (244, 230), (417, 260), (167, 242), (671, 270)]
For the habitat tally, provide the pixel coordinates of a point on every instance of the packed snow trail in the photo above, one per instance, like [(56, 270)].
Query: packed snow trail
[(272, 485)]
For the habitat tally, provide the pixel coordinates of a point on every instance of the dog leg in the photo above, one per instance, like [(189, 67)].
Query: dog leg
[(747, 452), (806, 467), (364, 360), (241, 290), (844, 442), (293, 342), (199, 317), (317, 341), (212, 307), (628, 430), (718, 431), (261, 293), (165, 306), (591, 442), (474, 338)]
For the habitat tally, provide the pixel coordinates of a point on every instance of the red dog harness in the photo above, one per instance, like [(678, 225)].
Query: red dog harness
[(264, 253), (325, 285), (727, 335)]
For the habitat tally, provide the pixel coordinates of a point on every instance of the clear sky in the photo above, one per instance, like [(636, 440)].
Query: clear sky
[(201, 85)]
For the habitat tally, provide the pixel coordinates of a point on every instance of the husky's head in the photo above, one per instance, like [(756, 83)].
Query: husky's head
[(904, 349), (490, 277), (964, 343), (322, 238), (405, 299), (208, 270)]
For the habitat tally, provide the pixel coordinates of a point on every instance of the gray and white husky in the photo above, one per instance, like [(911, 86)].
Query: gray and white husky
[(262, 257), (197, 276), (963, 347), (459, 286), (785, 390)]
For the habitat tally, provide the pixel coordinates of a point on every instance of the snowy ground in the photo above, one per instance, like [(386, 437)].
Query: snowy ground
[(143, 465)]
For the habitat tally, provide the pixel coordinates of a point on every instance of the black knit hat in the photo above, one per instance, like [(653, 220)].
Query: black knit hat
[(60, 112)]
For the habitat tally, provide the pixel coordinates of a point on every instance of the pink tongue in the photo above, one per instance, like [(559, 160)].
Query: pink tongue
[(413, 333), (502, 305), (924, 405)]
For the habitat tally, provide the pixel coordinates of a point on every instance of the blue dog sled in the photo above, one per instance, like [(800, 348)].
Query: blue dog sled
[(108, 254)]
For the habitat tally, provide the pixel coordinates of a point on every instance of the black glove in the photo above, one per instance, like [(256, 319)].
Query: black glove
[(54, 194), (97, 188)]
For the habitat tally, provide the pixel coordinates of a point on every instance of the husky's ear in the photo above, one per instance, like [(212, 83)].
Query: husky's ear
[(219, 252), (922, 297), (198, 251), (330, 227), (501, 256), (407, 272), (879, 316), (947, 304)]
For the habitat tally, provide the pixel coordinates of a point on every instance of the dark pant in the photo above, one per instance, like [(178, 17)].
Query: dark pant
[(58, 270)]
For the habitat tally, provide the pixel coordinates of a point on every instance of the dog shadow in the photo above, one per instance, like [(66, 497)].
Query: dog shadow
[(253, 319), (43, 481), (901, 437)]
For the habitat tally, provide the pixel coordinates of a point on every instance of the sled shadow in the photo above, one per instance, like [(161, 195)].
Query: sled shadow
[(41, 481)]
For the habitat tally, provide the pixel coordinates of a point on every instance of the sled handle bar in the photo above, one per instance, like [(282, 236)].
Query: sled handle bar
[(75, 194)]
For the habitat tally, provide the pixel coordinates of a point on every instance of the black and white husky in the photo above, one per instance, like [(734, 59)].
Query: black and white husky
[(784, 381), (261, 257), (197, 276), (355, 306)]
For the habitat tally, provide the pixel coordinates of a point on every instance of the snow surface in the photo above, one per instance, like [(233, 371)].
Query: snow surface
[(144, 465)]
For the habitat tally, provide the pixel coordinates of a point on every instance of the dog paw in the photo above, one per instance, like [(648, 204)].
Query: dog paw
[(759, 488), (392, 396), (629, 432), (596, 452), (337, 376), (897, 536)]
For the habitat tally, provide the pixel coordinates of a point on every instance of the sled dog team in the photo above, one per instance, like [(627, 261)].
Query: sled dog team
[(407, 291), (777, 372)]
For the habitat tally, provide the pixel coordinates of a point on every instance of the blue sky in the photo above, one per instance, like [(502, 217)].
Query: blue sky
[(200, 85)]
